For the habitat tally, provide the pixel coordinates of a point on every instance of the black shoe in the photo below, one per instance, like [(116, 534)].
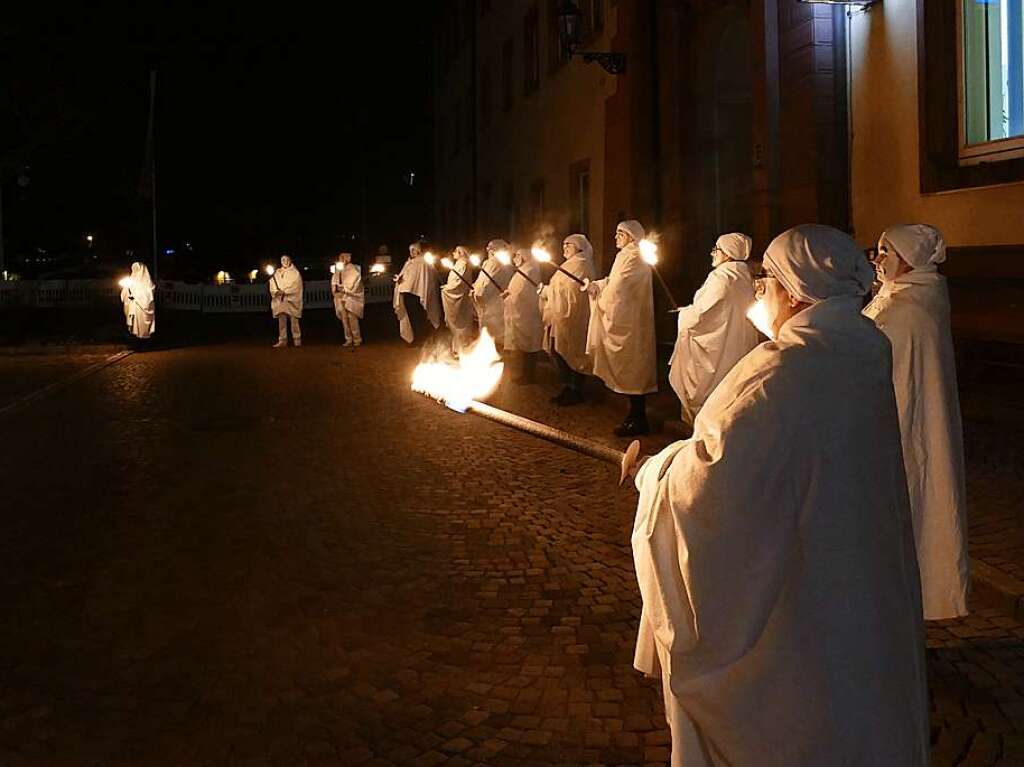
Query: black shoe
[(632, 427)]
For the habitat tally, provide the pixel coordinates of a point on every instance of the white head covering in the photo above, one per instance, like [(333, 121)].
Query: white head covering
[(633, 228), (286, 261), (415, 250), (495, 245), (920, 245), (140, 275), (461, 251), (814, 262), (735, 245), (583, 247)]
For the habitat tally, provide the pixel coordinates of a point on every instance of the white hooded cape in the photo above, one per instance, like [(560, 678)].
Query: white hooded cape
[(913, 311), (139, 301), (288, 282), (458, 304), (620, 336), (714, 334), (775, 557), (420, 278), (351, 295), (523, 329), (489, 303), (565, 311)]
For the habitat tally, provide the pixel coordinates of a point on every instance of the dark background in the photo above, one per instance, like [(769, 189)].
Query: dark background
[(285, 132)]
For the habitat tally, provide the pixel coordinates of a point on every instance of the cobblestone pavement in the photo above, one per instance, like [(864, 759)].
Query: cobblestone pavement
[(24, 371), (236, 555)]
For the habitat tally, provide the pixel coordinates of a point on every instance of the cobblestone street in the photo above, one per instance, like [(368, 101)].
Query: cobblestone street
[(244, 556)]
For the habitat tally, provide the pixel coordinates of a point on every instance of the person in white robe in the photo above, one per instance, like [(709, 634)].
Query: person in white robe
[(620, 335), (912, 309), (417, 297), (774, 548), (524, 333), (349, 299), (565, 312), (286, 302), (714, 333), (456, 296), (138, 297), (487, 296)]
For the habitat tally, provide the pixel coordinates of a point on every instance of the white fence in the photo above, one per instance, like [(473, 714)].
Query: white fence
[(182, 296)]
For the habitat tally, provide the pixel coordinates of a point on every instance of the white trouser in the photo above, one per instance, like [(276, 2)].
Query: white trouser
[(350, 322), (282, 327)]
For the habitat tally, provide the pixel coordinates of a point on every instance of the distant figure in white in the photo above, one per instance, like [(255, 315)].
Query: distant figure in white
[(487, 296), (774, 549), (912, 309), (524, 333), (138, 295), (456, 296), (286, 302), (620, 337), (566, 314), (347, 290), (417, 297), (714, 332)]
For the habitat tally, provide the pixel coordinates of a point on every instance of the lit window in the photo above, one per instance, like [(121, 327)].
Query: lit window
[(991, 80)]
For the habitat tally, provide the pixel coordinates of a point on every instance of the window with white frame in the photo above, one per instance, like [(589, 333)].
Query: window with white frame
[(991, 75)]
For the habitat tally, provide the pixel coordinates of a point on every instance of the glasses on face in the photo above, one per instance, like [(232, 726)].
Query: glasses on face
[(715, 251), (761, 283)]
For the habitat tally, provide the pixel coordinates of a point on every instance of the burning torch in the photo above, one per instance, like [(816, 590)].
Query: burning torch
[(649, 253), (545, 258), (504, 257)]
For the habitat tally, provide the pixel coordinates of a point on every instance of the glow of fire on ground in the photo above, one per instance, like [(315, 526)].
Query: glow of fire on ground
[(476, 374)]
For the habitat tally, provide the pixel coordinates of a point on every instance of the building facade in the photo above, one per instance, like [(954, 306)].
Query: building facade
[(732, 115)]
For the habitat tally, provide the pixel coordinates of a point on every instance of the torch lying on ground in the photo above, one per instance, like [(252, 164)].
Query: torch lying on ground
[(476, 374)]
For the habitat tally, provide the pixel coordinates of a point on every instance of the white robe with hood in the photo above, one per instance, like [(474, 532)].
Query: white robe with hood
[(523, 329), (419, 278), (285, 287), (489, 304), (913, 311), (347, 290), (714, 332), (565, 310), (457, 300), (774, 548), (620, 336), (139, 300)]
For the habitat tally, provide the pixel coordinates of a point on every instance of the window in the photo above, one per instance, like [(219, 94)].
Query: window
[(579, 197), (947, 159), (507, 79), (486, 104), (531, 51), (991, 79)]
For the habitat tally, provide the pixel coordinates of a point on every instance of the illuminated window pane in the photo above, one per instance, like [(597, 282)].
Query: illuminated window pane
[(993, 56)]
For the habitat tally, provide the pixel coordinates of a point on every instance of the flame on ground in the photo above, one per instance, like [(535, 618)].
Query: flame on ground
[(456, 383)]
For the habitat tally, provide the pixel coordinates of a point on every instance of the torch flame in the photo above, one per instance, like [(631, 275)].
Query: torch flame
[(476, 374), (649, 251), (378, 269), (430, 258), (447, 263), (758, 316), (474, 259), (269, 269), (541, 255), (503, 257), (125, 282)]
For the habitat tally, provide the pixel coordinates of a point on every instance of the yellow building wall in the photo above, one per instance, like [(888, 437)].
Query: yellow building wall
[(885, 173)]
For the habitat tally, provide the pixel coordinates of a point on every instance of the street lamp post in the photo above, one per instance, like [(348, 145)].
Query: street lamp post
[(570, 34)]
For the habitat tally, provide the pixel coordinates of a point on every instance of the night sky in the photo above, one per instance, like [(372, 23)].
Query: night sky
[(272, 130)]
